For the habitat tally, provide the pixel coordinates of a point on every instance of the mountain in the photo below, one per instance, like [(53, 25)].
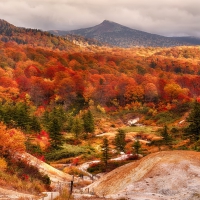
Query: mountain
[(33, 37), (190, 40), (114, 34)]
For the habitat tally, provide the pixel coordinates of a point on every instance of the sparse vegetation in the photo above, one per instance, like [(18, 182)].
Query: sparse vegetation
[(65, 195), (21, 184), (97, 168)]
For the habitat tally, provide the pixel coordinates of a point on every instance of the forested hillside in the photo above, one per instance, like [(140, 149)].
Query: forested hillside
[(33, 37), (38, 85), (111, 77)]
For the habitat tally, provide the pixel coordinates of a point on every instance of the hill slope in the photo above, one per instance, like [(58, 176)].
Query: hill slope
[(114, 34), (162, 175), (54, 174), (10, 190), (33, 37)]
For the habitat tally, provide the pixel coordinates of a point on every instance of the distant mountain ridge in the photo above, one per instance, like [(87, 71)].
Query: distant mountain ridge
[(115, 34)]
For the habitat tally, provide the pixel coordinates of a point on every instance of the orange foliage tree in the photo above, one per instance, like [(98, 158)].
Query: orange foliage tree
[(11, 141)]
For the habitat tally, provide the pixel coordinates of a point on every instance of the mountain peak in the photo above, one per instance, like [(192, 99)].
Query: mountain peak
[(107, 21), (108, 26), (110, 23)]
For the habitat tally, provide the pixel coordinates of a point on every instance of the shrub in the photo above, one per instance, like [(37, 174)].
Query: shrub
[(183, 147), (100, 167), (73, 171), (28, 172), (96, 168), (45, 179)]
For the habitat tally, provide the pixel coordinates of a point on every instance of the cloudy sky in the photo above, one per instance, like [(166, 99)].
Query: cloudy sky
[(165, 17)]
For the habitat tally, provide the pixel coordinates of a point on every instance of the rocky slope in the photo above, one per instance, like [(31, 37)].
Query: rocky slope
[(163, 175), (57, 177), (54, 174)]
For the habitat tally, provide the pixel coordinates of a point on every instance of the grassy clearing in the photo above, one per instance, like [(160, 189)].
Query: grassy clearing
[(166, 117), (67, 152), (144, 129)]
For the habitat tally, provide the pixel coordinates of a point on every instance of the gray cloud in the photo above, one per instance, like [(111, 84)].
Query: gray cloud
[(165, 17)]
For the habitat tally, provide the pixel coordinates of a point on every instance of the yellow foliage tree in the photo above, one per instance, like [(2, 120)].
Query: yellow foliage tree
[(3, 164), (173, 90)]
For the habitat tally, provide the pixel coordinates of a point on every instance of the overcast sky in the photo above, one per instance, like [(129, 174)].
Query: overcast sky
[(164, 17)]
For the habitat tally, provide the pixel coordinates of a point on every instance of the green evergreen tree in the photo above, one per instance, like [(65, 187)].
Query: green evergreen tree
[(120, 140), (7, 113), (57, 113), (166, 137), (56, 137), (105, 152), (21, 116), (193, 130), (35, 124), (88, 122), (45, 118), (70, 122), (77, 127), (136, 147)]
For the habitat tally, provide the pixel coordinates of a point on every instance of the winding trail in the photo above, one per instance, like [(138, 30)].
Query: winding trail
[(83, 167)]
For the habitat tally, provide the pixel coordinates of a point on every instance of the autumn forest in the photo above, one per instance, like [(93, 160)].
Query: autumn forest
[(49, 90)]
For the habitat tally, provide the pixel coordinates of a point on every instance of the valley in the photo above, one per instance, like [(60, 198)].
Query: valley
[(113, 122)]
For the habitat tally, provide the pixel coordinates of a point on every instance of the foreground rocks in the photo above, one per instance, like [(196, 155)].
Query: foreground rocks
[(164, 175)]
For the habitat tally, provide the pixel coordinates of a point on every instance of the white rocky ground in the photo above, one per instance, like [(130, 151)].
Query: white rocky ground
[(11, 194), (172, 175)]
